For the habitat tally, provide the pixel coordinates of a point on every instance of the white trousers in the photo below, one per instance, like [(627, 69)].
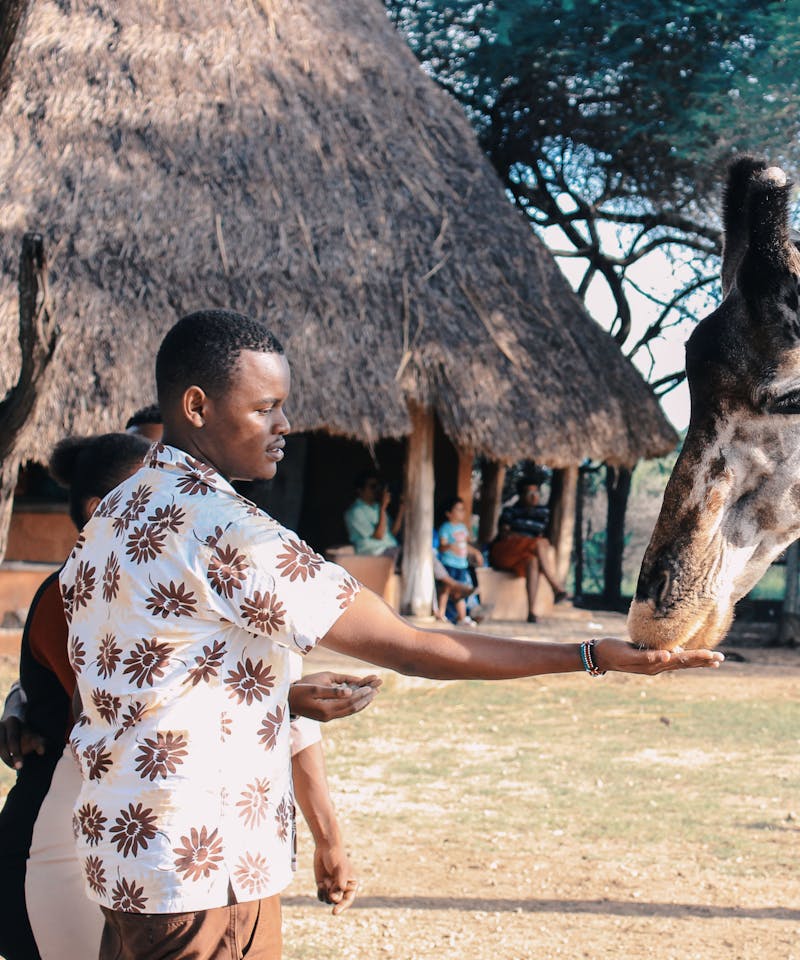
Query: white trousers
[(66, 924)]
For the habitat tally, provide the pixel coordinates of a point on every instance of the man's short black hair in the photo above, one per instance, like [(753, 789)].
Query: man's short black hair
[(363, 478), (203, 348), (533, 478), (148, 414), (92, 466)]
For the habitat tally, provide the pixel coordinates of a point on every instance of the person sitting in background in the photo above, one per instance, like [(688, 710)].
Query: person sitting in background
[(521, 544), (370, 527), (455, 552)]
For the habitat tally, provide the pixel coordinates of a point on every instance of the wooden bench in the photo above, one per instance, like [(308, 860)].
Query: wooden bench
[(507, 595)]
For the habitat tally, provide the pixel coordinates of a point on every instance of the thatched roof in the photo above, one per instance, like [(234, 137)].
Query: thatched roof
[(290, 159)]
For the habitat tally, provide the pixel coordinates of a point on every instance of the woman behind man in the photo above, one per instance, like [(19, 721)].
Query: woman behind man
[(90, 470)]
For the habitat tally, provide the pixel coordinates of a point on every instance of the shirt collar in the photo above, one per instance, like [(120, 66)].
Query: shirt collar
[(195, 475)]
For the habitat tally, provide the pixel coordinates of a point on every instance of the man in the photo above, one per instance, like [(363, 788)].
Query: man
[(370, 527), (521, 544), (185, 602), (316, 698)]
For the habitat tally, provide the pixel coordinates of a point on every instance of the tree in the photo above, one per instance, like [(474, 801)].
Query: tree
[(609, 122), (38, 340)]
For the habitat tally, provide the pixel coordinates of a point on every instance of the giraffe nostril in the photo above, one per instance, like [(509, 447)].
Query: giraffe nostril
[(654, 586)]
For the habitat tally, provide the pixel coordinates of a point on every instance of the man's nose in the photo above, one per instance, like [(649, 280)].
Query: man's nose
[(283, 425)]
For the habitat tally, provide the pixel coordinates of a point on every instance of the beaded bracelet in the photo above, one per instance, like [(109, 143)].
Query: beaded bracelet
[(587, 659)]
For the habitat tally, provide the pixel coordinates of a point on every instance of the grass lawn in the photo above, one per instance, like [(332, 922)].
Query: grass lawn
[(565, 816)]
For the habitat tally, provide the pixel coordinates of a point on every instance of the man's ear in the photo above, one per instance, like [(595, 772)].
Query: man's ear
[(90, 504), (195, 403)]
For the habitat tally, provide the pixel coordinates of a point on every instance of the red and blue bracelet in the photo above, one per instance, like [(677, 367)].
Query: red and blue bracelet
[(588, 661)]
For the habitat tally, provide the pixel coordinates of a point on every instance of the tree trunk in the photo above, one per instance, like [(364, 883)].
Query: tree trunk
[(618, 487), (494, 475), (418, 586), (563, 495), (38, 338), (13, 14)]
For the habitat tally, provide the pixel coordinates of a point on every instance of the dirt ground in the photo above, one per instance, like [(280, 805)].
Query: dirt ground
[(433, 887), (566, 817)]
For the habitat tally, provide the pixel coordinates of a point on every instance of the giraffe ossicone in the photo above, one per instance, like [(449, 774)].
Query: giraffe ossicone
[(732, 503)]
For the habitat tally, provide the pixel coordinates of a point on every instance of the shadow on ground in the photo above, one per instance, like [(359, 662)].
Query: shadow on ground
[(619, 908)]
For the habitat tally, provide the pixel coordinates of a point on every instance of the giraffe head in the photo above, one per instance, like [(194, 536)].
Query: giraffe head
[(732, 504)]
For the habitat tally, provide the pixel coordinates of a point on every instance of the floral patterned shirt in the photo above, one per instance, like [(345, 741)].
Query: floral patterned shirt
[(186, 605)]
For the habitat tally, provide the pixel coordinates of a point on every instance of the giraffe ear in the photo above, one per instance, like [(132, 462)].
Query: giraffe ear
[(735, 215), (767, 274)]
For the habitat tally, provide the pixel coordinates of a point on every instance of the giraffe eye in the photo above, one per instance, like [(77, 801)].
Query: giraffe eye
[(786, 405)]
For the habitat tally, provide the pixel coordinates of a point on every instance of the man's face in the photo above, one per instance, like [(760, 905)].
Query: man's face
[(243, 429), (530, 496), (369, 492)]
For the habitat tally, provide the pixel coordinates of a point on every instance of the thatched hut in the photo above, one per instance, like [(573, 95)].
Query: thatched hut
[(291, 160)]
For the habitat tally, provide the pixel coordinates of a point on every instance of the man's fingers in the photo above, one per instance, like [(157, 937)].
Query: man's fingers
[(682, 659), (359, 701), (327, 692), (336, 710), (345, 898)]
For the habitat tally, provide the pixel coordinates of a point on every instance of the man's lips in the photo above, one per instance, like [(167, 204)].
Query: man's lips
[(275, 452)]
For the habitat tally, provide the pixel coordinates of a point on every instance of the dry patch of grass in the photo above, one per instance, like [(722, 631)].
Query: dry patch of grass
[(566, 817)]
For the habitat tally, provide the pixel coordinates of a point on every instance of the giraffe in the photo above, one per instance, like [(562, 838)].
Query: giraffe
[(732, 503)]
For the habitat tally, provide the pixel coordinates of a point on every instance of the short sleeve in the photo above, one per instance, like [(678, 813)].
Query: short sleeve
[(268, 581), (303, 732)]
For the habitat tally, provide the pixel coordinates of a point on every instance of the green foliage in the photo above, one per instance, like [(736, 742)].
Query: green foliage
[(649, 96), (608, 120)]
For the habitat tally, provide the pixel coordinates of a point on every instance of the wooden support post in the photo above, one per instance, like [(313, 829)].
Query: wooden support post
[(494, 475), (789, 626), (578, 547), (464, 481), (564, 489), (418, 587)]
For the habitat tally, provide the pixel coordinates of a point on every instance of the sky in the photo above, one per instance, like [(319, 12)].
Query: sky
[(655, 273)]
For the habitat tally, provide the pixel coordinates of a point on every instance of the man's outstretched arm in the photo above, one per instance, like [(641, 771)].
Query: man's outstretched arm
[(371, 631)]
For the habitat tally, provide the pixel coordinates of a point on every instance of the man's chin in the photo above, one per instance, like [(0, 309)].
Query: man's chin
[(267, 472)]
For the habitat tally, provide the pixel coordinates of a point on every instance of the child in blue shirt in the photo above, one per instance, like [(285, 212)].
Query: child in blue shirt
[(454, 552)]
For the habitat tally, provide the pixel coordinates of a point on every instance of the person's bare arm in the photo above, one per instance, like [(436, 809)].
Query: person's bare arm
[(477, 556), (373, 632), (380, 527), (336, 882)]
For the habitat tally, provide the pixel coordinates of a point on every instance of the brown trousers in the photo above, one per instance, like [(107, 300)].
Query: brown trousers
[(251, 930)]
